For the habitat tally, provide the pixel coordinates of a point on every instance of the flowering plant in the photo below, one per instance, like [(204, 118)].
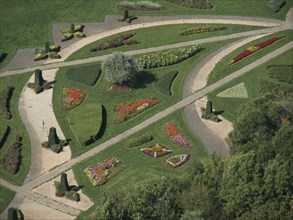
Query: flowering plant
[(101, 172), (125, 110), (254, 48), (177, 160), (156, 150), (121, 87), (175, 134), (201, 29), (72, 97)]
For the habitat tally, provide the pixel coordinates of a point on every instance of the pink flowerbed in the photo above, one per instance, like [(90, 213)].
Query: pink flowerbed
[(101, 172), (121, 87), (156, 150), (256, 47), (177, 160), (175, 134), (72, 97)]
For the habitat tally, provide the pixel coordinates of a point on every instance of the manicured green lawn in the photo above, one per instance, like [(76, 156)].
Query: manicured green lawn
[(222, 68), (145, 88), (140, 166), (5, 198), (28, 23), (16, 127), (85, 121), (149, 37), (231, 106)]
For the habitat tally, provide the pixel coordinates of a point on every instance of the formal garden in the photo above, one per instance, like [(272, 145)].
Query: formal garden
[(160, 158)]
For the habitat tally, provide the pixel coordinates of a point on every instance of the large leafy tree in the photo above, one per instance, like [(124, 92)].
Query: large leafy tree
[(119, 68)]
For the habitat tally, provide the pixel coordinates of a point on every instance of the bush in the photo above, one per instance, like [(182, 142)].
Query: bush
[(62, 187), (275, 5), (209, 114), (78, 34), (140, 140), (140, 6), (5, 95), (54, 55), (72, 195), (119, 68), (78, 28), (166, 58), (55, 48), (196, 4), (163, 85), (87, 75), (282, 73), (12, 214), (40, 56), (86, 122), (278, 89), (39, 81), (11, 157), (66, 36)]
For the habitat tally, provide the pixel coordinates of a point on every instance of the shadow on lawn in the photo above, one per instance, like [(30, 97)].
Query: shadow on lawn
[(144, 78), (103, 125), (3, 56)]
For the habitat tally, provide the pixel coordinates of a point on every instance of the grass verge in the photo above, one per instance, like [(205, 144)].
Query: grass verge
[(6, 197)]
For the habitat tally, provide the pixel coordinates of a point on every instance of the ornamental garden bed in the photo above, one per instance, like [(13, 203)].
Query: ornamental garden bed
[(156, 150), (123, 39), (177, 160), (175, 134), (126, 110), (168, 57), (102, 172), (5, 95), (72, 97), (202, 29), (254, 48)]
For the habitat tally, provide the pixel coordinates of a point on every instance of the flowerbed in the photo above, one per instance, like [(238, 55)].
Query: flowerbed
[(101, 172), (140, 6), (175, 134), (254, 48), (125, 110), (198, 4), (10, 160), (140, 140), (237, 91), (5, 95), (156, 150), (120, 87), (72, 97), (177, 160), (123, 39), (168, 57), (201, 29)]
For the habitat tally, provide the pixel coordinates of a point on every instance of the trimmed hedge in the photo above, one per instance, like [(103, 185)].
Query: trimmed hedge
[(4, 132), (5, 95), (275, 5), (196, 4), (164, 84), (87, 75), (168, 57), (282, 73), (11, 157), (202, 29), (140, 140), (86, 122), (278, 89)]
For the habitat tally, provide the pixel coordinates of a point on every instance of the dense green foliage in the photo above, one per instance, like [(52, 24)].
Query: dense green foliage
[(119, 68), (164, 84), (282, 73), (86, 121), (87, 75), (140, 140), (279, 89), (255, 182)]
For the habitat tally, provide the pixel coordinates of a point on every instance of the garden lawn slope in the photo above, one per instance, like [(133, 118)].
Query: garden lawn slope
[(85, 122), (87, 75)]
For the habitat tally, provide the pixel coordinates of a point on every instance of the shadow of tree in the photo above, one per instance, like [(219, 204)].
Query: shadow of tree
[(3, 57), (144, 78)]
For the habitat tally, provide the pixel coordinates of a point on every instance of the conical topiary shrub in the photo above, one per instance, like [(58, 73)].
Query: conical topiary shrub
[(39, 81), (53, 138), (62, 187)]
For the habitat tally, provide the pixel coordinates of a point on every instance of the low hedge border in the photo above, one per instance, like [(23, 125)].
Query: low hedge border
[(5, 95)]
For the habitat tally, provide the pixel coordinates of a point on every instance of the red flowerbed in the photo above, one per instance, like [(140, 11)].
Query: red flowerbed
[(72, 97), (125, 110), (121, 87), (256, 47), (175, 134), (10, 160)]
